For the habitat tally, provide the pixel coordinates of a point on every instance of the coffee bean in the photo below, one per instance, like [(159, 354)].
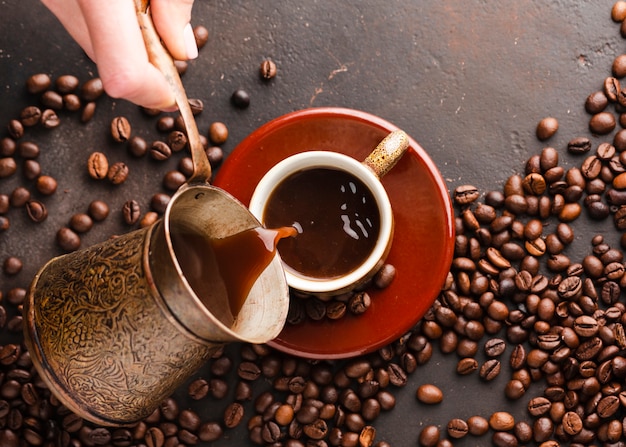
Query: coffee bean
[(154, 437), (12, 266), (201, 35), (198, 389), (30, 116), (19, 197), (546, 128), (92, 89), (457, 428), (602, 123), (240, 99), (172, 180), (137, 146), (8, 167), (98, 210), (120, 129), (495, 347), (233, 415), (429, 436), (36, 210), (160, 151), (97, 165), (131, 212), (52, 100), (218, 133), (38, 83), (490, 369), (50, 119), (89, 110), (67, 239), (210, 431), (159, 202), (267, 69), (429, 394), (15, 129), (117, 173)]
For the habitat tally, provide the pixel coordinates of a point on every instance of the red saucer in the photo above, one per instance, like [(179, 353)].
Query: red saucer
[(423, 243)]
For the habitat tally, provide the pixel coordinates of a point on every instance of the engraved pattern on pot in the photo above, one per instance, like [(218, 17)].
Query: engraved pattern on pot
[(102, 345)]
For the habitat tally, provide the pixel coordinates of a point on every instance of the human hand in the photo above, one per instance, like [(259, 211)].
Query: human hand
[(109, 33)]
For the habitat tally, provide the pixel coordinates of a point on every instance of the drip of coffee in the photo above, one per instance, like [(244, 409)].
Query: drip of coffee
[(336, 215), (221, 271)]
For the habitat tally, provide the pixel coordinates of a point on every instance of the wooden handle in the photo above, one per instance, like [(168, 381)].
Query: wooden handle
[(387, 153), (161, 59)]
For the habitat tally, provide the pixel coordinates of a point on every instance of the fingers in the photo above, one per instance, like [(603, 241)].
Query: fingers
[(120, 53), (171, 19)]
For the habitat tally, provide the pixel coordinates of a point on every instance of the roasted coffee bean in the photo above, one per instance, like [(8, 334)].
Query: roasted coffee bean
[(457, 428), (546, 128), (466, 366), (92, 89), (118, 173), (160, 151), (198, 389), (429, 436), (19, 197), (81, 222), (71, 102), (465, 194), (8, 167), (97, 165), (36, 210), (15, 129), (429, 394), (46, 185), (137, 146), (384, 277), (131, 212), (154, 437), (490, 369), (38, 83), (31, 169), (172, 180), (201, 35), (165, 124), (67, 239), (30, 116), (494, 347), (159, 202), (359, 303), (177, 140), (98, 210), (49, 118), (501, 421), (210, 431), (52, 100), (267, 69), (240, 98), (602, 123), (215, 154), (218, 133), (89, 110)]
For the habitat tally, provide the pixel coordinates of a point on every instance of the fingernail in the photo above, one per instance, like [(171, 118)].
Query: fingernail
[(190, 42)]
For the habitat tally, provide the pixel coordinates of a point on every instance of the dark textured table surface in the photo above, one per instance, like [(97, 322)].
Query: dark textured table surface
[(469, 80)]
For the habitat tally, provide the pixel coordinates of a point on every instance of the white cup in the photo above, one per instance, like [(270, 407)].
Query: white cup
[(369, 172)]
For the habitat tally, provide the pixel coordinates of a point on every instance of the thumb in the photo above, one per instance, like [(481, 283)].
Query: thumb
[(172, 22)]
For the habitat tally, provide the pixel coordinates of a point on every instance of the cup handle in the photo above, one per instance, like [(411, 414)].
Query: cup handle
[(387, 153)]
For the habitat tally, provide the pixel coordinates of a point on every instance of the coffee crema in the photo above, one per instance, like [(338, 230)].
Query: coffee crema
[(336, 216)]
